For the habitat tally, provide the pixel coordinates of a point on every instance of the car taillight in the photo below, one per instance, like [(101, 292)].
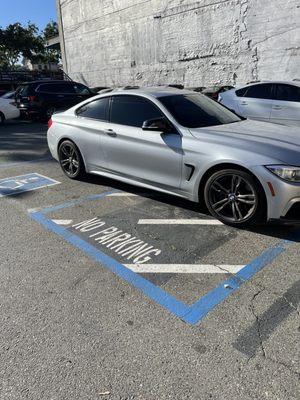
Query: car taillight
[(31, 98), (50, 122)]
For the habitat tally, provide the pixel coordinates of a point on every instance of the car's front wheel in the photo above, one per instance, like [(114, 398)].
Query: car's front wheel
[(234, 197), (70, 160)]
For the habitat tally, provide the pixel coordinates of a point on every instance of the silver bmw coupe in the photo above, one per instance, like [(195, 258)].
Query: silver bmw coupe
[(182, 143)]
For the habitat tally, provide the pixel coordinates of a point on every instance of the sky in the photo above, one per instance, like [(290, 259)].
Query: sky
[(38, 11)]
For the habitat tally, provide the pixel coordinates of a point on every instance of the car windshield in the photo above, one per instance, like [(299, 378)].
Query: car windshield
[(197, 111)]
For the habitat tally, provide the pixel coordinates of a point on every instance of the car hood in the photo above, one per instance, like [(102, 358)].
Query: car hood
[(279, 142)]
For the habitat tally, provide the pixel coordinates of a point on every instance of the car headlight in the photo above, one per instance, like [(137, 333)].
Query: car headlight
[(286, 172)]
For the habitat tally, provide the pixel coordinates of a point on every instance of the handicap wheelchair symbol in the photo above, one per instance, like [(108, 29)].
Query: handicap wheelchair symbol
[(13, 184)]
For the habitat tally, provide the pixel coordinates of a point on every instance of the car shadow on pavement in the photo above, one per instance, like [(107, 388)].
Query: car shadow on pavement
[(252, 339), (276, 230), (22, 140)]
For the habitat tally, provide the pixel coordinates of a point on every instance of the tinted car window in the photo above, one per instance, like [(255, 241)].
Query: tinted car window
[(288, 93), (197, 111), (241, 92), (96, 109), (81, 89), (23, 90), (133, 110), (263, 91), (56, 88)]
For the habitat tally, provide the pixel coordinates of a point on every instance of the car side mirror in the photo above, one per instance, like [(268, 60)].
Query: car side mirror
[(157, 125)]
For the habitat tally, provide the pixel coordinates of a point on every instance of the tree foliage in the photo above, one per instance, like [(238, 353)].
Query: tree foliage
[(51, 30), (50, 55), (28, 42)]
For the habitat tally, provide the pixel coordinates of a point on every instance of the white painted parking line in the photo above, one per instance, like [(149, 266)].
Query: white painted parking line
[(184, 268), (62, 221), (121, 194), (179, 222)]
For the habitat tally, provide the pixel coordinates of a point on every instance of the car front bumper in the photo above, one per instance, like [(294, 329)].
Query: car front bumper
[(284, 200)]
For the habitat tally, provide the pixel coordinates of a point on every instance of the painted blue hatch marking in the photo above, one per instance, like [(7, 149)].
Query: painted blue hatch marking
[(191, 314), (24, 183)]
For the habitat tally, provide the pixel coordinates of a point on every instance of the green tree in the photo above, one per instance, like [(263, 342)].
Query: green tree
[(51, 30), (19, 41), (50, 55)]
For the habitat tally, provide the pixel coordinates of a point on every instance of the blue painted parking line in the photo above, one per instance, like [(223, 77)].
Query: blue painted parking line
[(191, 314), (24, 183)]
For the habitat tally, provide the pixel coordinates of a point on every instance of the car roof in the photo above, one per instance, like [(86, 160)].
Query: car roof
[(42, 81), (294, 83), (158, 91)]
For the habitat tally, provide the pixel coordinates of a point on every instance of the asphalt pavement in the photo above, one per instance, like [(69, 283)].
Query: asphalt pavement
[(108, 291)]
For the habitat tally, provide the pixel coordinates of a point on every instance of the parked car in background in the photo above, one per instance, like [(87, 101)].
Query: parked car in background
[(9, 95), (277, 102), (198, 89), (43, 98), (8, 109), (214, 91), (98, 89), (183, 143)]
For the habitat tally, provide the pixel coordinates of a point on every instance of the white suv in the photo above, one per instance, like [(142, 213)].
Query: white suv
[(277, 102)]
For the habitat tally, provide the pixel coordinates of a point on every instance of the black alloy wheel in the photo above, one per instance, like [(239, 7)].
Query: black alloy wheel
[(234, 197), (70, 160)]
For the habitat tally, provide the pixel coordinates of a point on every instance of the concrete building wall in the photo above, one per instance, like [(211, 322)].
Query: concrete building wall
[(119, 42)]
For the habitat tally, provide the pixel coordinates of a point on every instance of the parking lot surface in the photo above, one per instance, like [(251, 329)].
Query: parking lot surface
[(108, 291)]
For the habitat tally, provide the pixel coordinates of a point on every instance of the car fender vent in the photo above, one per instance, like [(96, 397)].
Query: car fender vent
[(189, 171)]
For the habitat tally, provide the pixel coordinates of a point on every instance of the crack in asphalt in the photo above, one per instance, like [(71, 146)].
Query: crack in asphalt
[(260, 336)]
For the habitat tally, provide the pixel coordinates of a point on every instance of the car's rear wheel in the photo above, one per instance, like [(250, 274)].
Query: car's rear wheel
[(234, 197), (70, 160)]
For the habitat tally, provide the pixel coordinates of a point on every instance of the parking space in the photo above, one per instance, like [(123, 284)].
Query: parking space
[(156, 269), (188, 264)]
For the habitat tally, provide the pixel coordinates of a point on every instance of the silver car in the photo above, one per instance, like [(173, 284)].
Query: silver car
[(183, 143)]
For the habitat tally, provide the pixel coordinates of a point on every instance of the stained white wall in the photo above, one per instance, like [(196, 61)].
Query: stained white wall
[(119, 42)]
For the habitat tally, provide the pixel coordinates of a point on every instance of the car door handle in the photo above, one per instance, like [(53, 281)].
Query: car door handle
[(110, 132), (244, 103), (277, 108)]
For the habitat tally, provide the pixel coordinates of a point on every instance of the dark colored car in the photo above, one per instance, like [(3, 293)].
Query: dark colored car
[(97, 89), (214, 91), (43, 98)]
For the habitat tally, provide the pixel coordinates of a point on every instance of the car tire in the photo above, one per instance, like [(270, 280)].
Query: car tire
[(235, 198), (70, 160), (2, 118)]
